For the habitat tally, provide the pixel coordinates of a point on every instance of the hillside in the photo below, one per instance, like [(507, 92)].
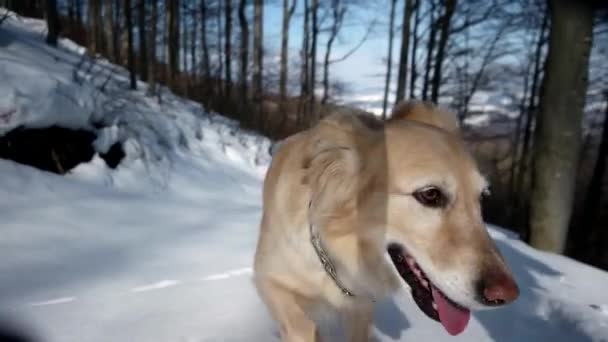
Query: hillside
[(160, 248)]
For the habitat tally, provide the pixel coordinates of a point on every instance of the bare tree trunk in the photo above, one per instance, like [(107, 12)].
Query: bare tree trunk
[(204, 45), (184, 45), (304, 76), (93, 9), (173, 44), (78, 5), (522, 199), (429, 52), (413, 70), (443, 41), (131, 52), (338, 14), (592, 246), (108, 28), (313, 58), (558, 133), (143, 56), (52, 22), (117, 31), (288, 11), (228, 46), (220, 47), (244, 49), (258, 60), (152, 61), (193, 39), (389, 63), (405, 44)]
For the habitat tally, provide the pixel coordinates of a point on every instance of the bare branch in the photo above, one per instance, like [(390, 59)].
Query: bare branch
[(356, 47)]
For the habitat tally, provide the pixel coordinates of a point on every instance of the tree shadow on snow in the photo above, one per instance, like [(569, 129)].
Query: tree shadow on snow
[(390, 320), (521, 321)]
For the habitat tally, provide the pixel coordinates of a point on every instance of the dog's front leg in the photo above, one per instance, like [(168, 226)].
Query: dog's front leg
[(287, 308), (358, 321)]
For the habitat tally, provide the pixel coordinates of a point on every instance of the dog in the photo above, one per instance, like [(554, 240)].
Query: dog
[(355, 208)]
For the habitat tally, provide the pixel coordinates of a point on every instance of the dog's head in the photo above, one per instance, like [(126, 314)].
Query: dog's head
[(413, 192)]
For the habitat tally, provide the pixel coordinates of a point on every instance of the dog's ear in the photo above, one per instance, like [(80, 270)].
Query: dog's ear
[(335, 164), (427, 113)]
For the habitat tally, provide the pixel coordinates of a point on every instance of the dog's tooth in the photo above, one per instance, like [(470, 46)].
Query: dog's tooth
[(434, 306)]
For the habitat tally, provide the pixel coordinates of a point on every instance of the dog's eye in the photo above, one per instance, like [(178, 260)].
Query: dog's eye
[(430, 197)]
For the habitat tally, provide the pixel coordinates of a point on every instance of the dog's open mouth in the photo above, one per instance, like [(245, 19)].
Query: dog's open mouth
[(429, 298)]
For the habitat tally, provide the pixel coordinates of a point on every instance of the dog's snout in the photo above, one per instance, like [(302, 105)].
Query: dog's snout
[(497, 288)]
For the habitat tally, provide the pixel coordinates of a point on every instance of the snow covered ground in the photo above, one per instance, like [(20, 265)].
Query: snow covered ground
[(161, 248)]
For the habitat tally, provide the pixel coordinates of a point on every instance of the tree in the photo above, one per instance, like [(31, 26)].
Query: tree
[(389, 63), (173, 45), (258, 58), (244, 49), (130, 51), (152, 49), (52, 22), (228, 46), (141, 27), (429, 51), (405, 43), (313, 54), (288, 11), (305, 73), (204, 45), (338, 10), (93, 11), (108, 29), (593, 198), (444, 33), (558, 134), (413, 70)]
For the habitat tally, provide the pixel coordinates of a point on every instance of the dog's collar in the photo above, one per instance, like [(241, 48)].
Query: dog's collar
[(328, 265)]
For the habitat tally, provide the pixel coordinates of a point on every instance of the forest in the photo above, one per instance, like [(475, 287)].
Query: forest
[(528, 80)]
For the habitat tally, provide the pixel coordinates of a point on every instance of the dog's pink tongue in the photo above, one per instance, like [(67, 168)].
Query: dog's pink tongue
[(453, 319)]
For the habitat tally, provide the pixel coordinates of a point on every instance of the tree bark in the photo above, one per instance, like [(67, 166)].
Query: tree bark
[(405, 44), (429, 52), (204, 45), (288, 11), (337, 14), (172, 9), (93, 11), (258, 59), (413, 70), (313, 57), (304, 75), (152, 32), (108, 29), (441, 47), (228, 46), (131, 52), (244, 49), (593, 246), (143, 56), (52, 22), (522, 175), (558, 133), (389, 63)]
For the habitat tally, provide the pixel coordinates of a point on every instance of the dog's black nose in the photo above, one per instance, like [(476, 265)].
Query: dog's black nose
[(497, 288)]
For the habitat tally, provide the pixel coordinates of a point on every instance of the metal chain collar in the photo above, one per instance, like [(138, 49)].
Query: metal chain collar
[(328, 265)]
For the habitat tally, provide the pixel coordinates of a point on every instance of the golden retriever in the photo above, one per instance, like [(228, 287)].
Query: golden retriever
[(355, 208)]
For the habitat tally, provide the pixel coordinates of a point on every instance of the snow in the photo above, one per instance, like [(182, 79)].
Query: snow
[(160, 249)]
